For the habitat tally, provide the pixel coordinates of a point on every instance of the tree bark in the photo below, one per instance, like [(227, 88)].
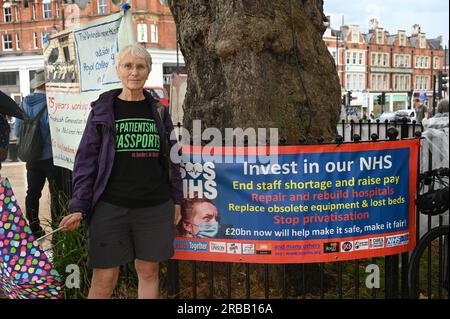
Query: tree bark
[(255, 64)]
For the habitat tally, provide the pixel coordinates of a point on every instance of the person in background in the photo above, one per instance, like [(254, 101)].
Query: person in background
[(442, 106), (365, 117), (42, 169), (4, 138), (420, 109)]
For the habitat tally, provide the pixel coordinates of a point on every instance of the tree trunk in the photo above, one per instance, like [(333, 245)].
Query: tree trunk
[(258, 64)]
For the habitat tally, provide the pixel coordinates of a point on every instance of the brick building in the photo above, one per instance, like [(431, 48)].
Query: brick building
[(26, 24), (377, 61)]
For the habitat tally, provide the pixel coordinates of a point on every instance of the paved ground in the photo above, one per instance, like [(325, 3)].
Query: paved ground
[(17, 175)]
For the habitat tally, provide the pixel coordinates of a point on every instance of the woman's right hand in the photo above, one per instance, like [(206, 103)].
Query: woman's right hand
[(71, 222)]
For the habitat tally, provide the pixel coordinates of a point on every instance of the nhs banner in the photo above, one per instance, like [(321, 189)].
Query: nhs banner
[(316, 203)]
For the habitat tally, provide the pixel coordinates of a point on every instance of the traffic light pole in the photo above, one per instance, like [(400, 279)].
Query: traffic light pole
[(434, 94)]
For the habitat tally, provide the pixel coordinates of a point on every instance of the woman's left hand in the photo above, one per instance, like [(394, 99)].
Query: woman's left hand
[(177, 216)]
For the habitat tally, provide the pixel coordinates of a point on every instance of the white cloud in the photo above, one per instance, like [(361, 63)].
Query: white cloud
[(373, 9), (432, 15)]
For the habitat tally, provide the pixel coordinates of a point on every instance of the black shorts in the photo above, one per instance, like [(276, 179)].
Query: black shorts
[(117, 235)]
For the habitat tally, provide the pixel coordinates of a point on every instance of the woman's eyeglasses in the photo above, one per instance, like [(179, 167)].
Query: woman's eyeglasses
[(129, 67)]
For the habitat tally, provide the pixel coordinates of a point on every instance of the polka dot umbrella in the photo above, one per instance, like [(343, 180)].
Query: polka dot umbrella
[(25, 271)]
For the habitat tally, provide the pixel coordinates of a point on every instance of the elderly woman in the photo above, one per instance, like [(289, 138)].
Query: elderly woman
[(121, 181)]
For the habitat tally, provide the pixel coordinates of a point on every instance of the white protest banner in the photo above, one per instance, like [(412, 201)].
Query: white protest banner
[(79, 65), (97, 70)]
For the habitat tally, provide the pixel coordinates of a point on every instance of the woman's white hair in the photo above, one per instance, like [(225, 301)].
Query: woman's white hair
[(138, 51)]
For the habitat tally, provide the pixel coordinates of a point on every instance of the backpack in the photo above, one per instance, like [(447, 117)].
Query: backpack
[(29, 147)]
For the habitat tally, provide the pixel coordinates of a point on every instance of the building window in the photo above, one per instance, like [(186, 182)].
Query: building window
[(401, 82), (380, 82), (7, 13), (380, 38), (380, 59), (163, 2), (33, 11), (422, 62), (7, 42), (385, 82), (17, 12), (355, 58), (45, 38), (397, 60), (35, 40), (102, 6), (422, 41), (436, 63), (355, 37), (401, 60), (373, 82), (402, 40), (422, 82), (17, 41), (354, 82), (57, 8), (142, 33), (46, 9), (406, 61), (9, 78), (154, 33)]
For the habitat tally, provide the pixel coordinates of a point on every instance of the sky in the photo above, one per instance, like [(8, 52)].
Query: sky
[(393, 15)]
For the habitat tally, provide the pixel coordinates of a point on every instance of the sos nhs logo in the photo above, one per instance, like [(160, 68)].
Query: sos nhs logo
[(199, 180)]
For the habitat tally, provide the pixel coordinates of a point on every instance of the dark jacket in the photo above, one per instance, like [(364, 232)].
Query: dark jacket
[(95, 156)]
